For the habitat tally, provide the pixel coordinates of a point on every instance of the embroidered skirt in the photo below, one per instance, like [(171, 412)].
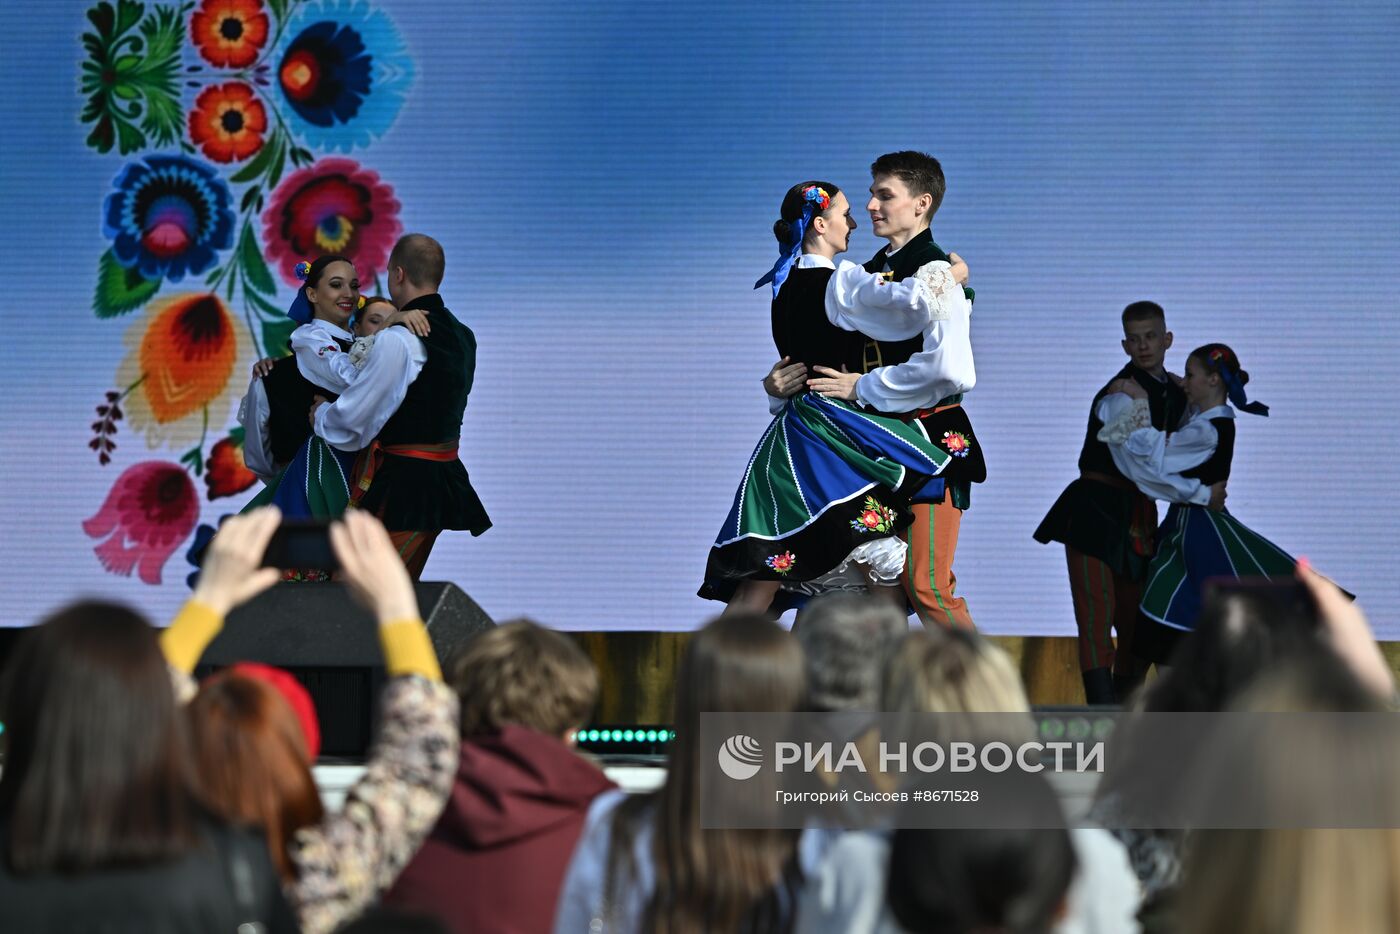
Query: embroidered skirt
[(826, 480), (1195, 544), (315, 484)]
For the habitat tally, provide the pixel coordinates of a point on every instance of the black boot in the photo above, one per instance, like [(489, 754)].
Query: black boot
[(1125, 684), (1098, 687)]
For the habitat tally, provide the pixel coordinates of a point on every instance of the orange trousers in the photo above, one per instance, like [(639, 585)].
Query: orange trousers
[(414, 548), (1104, 603), (929, 580)]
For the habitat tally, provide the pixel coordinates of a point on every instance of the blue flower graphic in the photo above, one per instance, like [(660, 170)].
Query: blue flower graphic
[(168, 216), (344, 71)]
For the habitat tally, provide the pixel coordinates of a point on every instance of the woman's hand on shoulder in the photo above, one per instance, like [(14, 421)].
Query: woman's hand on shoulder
[(415, 319)]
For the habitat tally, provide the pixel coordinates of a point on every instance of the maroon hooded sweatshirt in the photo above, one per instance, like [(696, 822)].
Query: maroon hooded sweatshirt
[(495, 862)]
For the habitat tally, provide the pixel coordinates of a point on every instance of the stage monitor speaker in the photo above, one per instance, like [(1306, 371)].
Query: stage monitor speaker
[(330, 644)]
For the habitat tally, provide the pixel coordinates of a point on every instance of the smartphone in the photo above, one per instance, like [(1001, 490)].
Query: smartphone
[(1279, 601), (301, 543)]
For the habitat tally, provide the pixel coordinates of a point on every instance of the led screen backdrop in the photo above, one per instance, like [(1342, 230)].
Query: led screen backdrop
[(604, 177)]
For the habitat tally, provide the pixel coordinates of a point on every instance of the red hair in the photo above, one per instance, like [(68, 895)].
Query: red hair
[(252, 761)]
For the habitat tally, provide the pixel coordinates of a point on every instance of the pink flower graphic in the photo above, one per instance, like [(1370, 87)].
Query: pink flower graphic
[(782, 563), (334, 206), (150, 510)]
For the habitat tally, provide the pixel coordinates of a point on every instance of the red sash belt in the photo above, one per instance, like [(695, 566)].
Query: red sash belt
[(373, 456), (925, 413)]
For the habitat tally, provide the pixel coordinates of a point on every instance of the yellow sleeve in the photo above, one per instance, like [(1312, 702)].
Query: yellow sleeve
[(408, 650), (189, 634)]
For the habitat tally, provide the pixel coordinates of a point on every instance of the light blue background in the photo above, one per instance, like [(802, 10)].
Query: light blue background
[(604, 176)]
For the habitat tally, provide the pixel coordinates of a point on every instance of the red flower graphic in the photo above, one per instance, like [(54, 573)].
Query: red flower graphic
[(956, 442), (228, 122), (334, 206), (150, 510), (870, 518), (226, 474), (229, 33), (782, 563)]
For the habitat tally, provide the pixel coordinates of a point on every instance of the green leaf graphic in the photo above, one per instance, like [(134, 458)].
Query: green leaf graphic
[(120, 290), (254, 266), (275, 335)]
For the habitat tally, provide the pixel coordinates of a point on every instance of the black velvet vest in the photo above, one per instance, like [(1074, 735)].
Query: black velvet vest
[(1165, 401), (801, 329), (1216, 468), (289, 398), (432, 410)]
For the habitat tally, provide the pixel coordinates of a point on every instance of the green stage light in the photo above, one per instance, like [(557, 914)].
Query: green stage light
[(617, 736), (627, 735), (651, 736), (593, 736)]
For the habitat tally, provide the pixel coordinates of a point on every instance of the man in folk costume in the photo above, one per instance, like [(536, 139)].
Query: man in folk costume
[(907, 378), (405, 413)]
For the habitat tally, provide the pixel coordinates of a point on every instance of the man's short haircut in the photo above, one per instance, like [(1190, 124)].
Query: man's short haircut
[(422, 259), (846, 639), (1144, 311), (919, 171), (522, 673)]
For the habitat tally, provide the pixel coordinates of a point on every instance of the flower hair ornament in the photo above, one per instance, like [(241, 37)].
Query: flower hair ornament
[(815, 200), (1223, 362), (300, 310)]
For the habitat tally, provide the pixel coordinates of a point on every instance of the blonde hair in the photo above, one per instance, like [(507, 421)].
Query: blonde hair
[(951, 671), (1297, 880), (522, 673)]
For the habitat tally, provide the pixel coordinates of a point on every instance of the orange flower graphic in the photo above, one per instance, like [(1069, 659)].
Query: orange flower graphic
[(228, 122), (229, 33), (183, 351)]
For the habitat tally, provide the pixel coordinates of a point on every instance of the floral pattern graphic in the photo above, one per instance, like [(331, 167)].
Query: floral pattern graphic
[(225, 112), (229, 33), (150, 510), (874, 517), (226, 474), (782, 563), (332, 207), (957, 443), (168, 216), (344, 71), (228, 122)]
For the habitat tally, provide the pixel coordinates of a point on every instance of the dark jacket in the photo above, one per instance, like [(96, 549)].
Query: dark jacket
[(226, 881), (496, 860)]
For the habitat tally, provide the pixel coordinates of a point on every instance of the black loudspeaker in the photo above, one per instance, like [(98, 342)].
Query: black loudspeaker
[(331, 645)]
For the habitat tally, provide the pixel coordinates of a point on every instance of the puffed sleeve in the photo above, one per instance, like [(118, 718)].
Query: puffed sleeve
[(862, 301), (1154, 459), (944, 366), (352, 421), (253, 414), (320, 359)]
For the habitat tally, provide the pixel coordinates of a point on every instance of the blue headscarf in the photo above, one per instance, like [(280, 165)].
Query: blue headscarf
[(1222, 360), (814, 201), (300, 310)]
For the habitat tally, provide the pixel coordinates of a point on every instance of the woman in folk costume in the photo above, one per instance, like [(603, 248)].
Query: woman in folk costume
[(304, 475), (829, 485), (1195, 543)]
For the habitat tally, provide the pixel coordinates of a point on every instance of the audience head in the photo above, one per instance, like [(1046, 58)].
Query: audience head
[(846, 639), (963, 881), (1292, 880), (373, 315), (416, 267), (96, 771), (1239, 635), (714, 880), (951, 671), (522, 673), (253, 758)]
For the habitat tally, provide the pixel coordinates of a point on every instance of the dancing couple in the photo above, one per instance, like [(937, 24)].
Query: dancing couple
[(861, 479)]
